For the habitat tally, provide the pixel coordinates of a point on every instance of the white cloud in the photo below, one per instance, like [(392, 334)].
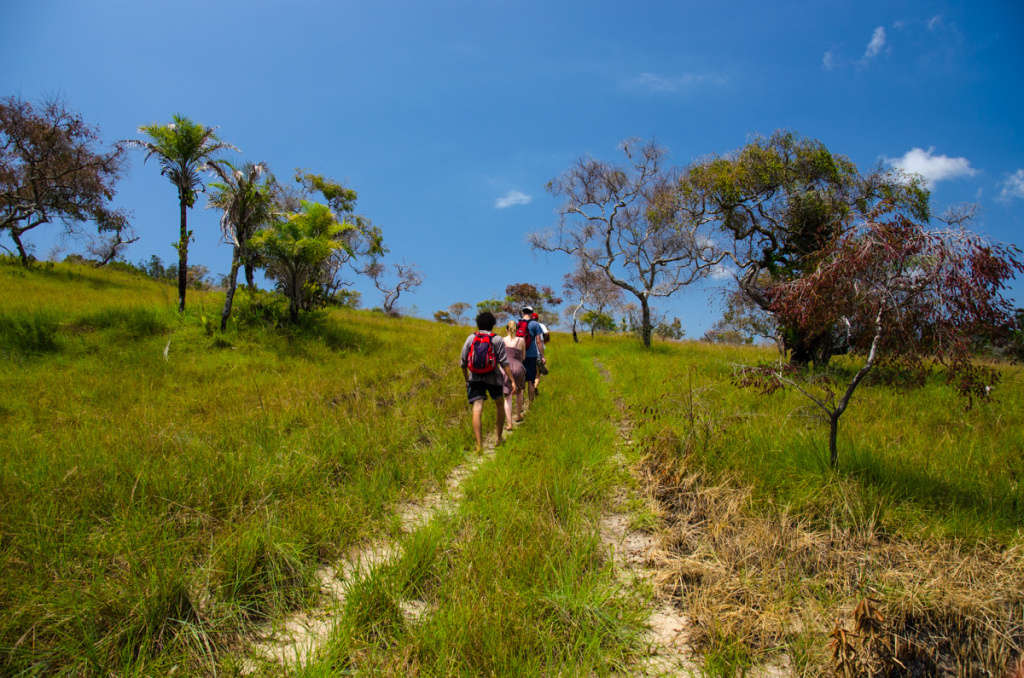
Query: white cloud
[(876, 44), (935, 22), (659, 83), (828, 61), (1013, 187), (932, 167), (720, 272), (512, 198)]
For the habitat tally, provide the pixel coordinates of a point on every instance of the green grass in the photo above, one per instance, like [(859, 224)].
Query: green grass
[(913, 462), (516, 582), (153, 507), (166, 488)]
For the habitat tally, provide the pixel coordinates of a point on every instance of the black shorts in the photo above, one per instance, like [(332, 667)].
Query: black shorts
[(478, 390), (531, 368)]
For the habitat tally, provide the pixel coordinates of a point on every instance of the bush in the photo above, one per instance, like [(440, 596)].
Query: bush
[(30, 332)]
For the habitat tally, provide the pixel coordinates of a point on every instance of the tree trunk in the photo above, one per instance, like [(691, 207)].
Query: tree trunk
[(833, 434), (249, 275), (21, 248), (182, 253), (645, 322), (575, 338), (229, 297)]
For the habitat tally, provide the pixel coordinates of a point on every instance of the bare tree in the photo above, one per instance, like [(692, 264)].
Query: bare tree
[(106, 246), (625, 221), (408, 277), (589, 289), (457, 310)]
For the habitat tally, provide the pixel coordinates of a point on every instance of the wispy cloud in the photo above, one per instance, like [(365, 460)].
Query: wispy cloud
[(934, 22), (659, 83), (1013, 187), (932, 167), (512, 198), (829, 60), (876, 45)]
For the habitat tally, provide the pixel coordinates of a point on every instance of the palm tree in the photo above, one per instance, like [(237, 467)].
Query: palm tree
[(184, 149), (247, 205)]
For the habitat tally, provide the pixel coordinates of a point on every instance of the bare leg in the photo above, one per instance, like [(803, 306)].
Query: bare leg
[(478, 410), (519, 405), (508, 412), (500, 406)]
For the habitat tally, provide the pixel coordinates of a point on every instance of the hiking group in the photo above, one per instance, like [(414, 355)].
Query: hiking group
[(503, 368)]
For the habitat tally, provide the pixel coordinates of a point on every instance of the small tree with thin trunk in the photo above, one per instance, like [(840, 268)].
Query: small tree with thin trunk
[(408, 277), (589, 290), (904, 298), (542, 299), (247, 205), (626, 221), (457, 310), (184, 149)]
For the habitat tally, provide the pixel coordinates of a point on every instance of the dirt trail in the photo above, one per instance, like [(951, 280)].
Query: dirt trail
[(299, 636), (633, 552)]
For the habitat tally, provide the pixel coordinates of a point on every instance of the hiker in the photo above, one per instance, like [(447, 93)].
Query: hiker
[(514, 349), (482, 356), (529, 329), (542, 341)]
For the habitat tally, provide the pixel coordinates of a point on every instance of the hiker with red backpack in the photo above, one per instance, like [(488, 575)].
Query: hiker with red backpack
[(483, 361), (530, 330)]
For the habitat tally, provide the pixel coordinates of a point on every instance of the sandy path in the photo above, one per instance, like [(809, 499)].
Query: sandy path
[(299, 636)]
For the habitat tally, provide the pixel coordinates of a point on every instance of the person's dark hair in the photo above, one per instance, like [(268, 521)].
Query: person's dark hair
[(485, 321)]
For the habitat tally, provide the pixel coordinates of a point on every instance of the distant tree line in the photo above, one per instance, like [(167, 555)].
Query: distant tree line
[(305, 235)]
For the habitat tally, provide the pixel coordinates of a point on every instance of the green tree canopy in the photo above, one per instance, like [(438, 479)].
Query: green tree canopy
[(293, 249), (777, 203)]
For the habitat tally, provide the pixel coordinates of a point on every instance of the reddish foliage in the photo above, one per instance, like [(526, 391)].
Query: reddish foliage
[(53, 169), (905, 296)]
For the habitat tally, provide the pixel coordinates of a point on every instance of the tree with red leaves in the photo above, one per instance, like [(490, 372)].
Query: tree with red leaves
[(51, 169), (905, 299), (542, 299)]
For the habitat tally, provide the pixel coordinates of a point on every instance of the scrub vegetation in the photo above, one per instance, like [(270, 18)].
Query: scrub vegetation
[(169, 492)]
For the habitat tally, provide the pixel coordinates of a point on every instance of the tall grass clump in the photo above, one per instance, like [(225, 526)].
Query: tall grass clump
[(30, 332)]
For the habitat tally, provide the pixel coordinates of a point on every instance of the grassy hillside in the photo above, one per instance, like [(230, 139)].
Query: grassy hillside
[(162, 484), (166, 490)]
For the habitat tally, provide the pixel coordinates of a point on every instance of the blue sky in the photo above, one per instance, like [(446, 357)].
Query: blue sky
[(449, 117)]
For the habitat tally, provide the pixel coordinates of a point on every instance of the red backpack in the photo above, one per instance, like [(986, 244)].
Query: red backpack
[(481, 354), (523, 330)]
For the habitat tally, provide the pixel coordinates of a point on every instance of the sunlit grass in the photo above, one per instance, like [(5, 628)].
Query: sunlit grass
[(138, 443), (922, 461)]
